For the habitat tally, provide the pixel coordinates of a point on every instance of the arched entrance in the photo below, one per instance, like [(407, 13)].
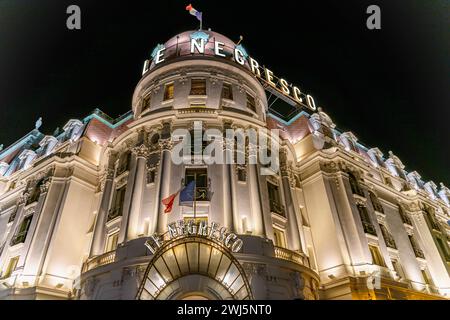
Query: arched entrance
[(194, 268)]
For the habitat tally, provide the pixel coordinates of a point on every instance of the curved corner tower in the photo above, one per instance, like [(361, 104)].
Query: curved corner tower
[(194, 80)]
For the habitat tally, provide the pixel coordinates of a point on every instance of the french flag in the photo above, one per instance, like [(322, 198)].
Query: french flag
[(187, 195), (194, 12)]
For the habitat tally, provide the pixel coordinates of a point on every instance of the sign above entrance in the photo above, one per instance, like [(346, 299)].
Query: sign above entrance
[(202, 44), (186, 228)]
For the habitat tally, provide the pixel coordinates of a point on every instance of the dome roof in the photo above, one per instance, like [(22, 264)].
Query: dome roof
[(180, 45)]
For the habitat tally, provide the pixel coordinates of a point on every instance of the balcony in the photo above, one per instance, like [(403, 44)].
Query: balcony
[(99, 261), (277, 208), (19, 238), (292, 256)]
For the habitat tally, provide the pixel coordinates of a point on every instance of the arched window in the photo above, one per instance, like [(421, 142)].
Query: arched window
[(356, 189)]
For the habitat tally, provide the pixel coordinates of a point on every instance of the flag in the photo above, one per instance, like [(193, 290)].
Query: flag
[(187, 195), (168, 202), (194, 12)]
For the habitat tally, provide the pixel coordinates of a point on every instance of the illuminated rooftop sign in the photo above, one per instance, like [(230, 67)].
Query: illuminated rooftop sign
[(275, 85)]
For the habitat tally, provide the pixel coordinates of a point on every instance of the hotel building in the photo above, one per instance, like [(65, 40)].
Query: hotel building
[(339, 220)]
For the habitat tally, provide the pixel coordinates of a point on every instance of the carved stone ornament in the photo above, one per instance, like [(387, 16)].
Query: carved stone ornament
[(166, 144), (140, 151), (46, 185), (23, 198), (329, 166)]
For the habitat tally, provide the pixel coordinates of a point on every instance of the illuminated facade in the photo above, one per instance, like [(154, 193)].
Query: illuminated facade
[(337, 221)]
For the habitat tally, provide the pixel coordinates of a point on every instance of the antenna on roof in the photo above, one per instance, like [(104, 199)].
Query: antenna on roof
[(240, 40)]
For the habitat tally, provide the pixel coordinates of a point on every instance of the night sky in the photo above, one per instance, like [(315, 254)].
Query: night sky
[(390, 87)]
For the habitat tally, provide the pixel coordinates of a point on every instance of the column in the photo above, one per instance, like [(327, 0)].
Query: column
[(164, 184), (98, 242), (141, 153), (292, 225), (227, 184), (255, 194)]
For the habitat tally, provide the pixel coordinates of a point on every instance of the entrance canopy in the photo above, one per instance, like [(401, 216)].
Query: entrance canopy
[(189, 265)]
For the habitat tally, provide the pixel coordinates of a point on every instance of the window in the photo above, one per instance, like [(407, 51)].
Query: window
[(12, 217), (279, 237), (365, 219), (274, 199), (431, 217), (356, 189), (375, 202), (227, 91), (111, 242), (168, 92), (124, 162), (11, 267), (36, 193), (251, 103), (388, 239), (327, 132), (199, 141), (377, 258), (426, 277), (117, 204), (443, 248), (404, 217), (198, 87), (417, 251), (398, 268), (146, 103), (200, 176), (22, 232), (241, 174)]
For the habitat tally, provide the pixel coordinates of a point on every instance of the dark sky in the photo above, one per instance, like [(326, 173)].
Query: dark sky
[(390, 86)]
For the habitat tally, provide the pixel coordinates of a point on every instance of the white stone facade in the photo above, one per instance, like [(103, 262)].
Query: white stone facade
[(338, 221)]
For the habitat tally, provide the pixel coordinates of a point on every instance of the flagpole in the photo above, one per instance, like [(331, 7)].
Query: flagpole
[(195, 197)]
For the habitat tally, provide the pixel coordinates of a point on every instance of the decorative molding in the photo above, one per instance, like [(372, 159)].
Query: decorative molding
[(165, 144), (141, 151)]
